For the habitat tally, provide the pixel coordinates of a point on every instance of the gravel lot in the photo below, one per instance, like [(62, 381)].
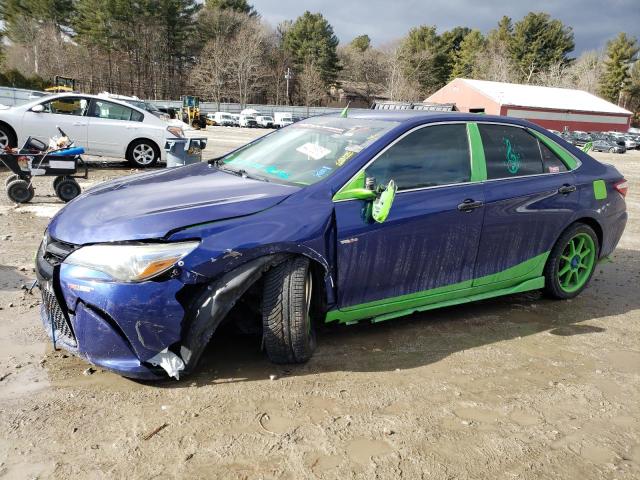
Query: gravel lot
[(517, 387)]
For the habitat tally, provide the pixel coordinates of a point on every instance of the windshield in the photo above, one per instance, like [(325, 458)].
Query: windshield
[(306, 152)]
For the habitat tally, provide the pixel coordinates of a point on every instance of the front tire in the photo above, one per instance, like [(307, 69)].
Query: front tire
[(288, 333), (572, 262), (7, 138), (143, 154), (20, 191)]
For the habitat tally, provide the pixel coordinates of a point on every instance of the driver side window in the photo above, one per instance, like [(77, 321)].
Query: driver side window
[(428, 157), (67, 106)]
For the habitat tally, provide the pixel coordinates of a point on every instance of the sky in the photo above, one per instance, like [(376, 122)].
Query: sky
[(593, 21)]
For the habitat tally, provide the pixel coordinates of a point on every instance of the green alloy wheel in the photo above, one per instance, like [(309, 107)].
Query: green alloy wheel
[(572, 262)]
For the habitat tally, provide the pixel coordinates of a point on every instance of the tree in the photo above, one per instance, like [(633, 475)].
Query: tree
[(494, 62), (361, 43), (239, 6), (587, 71), (537, 42), (245, 61), (311, 41), (449, 44), (466, 58), (418, 53), (620, 52), (311, 85), (210, 76)]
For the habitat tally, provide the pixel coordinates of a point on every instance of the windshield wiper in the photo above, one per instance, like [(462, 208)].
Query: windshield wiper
[(240, 172)]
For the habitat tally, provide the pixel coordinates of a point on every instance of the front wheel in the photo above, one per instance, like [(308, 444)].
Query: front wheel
[(572, 262), (143, 154), (289, 336)]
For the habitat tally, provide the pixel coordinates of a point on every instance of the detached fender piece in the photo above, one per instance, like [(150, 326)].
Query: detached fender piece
[(212, 306)]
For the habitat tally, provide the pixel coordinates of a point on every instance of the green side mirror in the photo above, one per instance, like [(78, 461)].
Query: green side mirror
[(382, 204)]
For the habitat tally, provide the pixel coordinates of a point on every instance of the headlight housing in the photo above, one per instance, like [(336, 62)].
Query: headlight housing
[(177, 131), (131, 263)]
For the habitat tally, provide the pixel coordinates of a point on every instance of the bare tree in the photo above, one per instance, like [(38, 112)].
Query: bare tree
[(399, 86), (245, 60), (210, 76), (311, 87)]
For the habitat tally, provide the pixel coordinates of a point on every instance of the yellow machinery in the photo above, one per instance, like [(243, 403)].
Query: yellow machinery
[(191, 112), (62, 85)]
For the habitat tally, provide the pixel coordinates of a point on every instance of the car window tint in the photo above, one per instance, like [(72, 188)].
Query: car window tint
[(111, 111), (430, 156), (510, 151), (67, 106), (551, 163), (136, 116)]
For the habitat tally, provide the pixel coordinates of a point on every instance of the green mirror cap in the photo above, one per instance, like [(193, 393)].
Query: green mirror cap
[(355, 189), (382, 205)]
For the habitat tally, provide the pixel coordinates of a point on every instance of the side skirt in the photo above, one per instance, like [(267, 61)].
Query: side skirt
[(431, 302)]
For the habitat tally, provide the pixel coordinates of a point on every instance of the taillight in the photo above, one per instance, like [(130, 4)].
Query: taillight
[(622, 187)]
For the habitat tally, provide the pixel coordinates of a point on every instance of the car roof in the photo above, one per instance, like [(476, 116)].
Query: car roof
[(417, 116)]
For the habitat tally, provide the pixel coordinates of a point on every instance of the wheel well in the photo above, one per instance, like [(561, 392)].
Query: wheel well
[(10, 129), (152, 142), (593, 223)]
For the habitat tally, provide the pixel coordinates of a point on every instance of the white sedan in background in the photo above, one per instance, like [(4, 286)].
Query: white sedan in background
[(103, 126)]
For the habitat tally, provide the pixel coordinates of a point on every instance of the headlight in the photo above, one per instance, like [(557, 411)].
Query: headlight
[(131, 263), (177, 131)]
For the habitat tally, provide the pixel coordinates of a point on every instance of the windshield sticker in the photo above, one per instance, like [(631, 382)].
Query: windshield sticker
[(513, 159), (354, 148), (323, 171), (343, 159), (313, 150)]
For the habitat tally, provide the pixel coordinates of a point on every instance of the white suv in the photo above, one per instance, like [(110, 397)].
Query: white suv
[(105, 127)]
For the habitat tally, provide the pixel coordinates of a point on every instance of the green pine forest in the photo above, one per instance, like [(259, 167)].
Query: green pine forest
[(223, 51)]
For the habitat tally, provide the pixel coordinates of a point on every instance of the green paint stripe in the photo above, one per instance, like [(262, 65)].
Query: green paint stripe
[(565, 156), (456, 293), (478, 162), (600, 189)]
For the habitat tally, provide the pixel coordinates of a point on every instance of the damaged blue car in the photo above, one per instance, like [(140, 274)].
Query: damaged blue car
[(331, 219)]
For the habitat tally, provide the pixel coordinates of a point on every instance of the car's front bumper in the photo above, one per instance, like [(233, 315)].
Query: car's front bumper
[(116, 326)]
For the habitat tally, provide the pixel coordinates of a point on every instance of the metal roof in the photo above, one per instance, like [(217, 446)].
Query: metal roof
[(535, 96)]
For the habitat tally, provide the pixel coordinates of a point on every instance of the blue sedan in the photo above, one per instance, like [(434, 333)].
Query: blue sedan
[(331, 219)]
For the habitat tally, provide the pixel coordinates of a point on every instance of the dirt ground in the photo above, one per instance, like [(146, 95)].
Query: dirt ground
[(519, 387)]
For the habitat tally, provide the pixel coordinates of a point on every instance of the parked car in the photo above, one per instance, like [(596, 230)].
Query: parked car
[(136, 102), (332, 219), (607, 146), (248, 121), (105, 127), (265, 121), (236, 119), (282, 119), (630, 142)]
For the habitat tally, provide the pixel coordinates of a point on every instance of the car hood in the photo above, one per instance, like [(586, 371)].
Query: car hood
[(150, 205)]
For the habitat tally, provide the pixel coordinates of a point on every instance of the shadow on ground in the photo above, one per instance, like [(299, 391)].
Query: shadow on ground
[(425, 338)]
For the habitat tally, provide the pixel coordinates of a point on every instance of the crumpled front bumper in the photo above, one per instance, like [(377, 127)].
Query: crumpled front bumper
[(118, 327)]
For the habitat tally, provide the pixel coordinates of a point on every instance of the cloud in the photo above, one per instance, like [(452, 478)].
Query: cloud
[(593, 21)]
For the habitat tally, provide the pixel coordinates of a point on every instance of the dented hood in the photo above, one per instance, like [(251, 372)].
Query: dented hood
[(150, 205)]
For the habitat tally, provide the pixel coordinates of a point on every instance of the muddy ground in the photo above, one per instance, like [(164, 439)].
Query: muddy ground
[(519, 387)]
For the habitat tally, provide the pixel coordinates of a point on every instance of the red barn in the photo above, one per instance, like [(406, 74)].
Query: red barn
[(549, 107)]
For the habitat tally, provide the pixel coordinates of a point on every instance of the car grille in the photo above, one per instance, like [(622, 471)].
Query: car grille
[(61, 326)]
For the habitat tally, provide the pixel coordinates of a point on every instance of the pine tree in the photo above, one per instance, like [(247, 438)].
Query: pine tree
[(620, 52), (311, 41), (466, 58), (361, 43)]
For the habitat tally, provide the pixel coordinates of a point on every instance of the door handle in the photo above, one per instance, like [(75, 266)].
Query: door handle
[(469, 204), (566, 189), (79, 124)]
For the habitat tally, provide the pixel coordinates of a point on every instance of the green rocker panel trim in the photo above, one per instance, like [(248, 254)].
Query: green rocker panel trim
[(599, 189), (478, 162), (519, 278), (565, 156)]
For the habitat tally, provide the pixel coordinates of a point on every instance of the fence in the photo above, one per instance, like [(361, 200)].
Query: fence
[(17, 96)]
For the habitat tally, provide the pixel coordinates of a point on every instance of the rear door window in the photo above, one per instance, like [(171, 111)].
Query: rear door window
[(510, 151), (428, 157), (114, 111)]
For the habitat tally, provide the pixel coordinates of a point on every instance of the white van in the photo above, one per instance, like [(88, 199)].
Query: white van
[(282, 119), (248, 121), (265, 121), (223, 118)]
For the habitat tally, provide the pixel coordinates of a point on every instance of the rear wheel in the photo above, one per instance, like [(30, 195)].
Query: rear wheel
[(67, 189), (10, 179), (612, 150), (20, 191), (572, 262), (143, 154), (289, 336)]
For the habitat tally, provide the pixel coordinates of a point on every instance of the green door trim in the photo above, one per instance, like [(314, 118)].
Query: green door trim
[(478, 161), (525, 276)]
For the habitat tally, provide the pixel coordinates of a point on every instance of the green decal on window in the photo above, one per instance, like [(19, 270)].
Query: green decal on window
[(599, 189), (513, 158)]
